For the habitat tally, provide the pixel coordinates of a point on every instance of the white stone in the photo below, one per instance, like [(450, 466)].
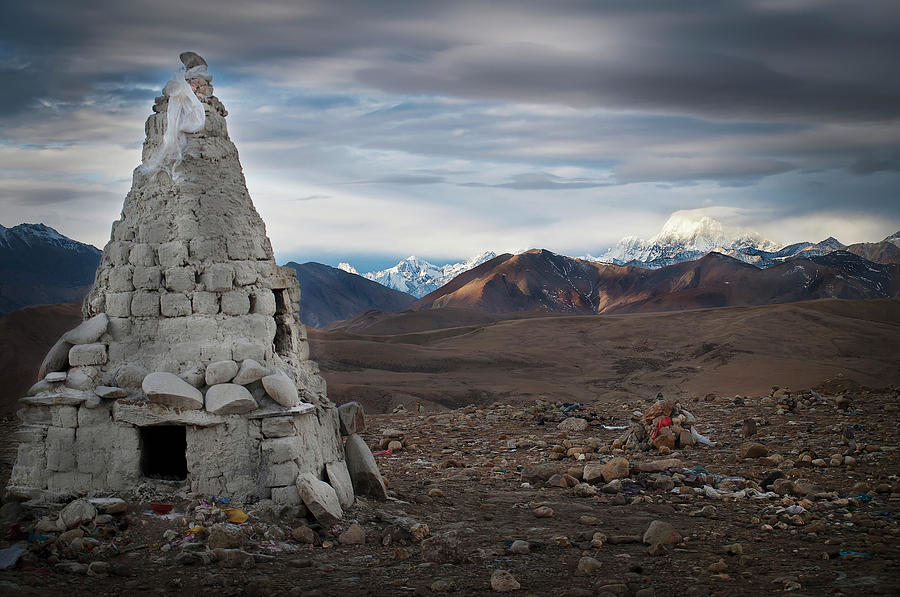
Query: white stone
[(180, 279), (320, 498), (363, 469), (55, 377), (142, 254), (88, 331), (229, 399), (118, 304), (87, 354), (339, 479), (79, 379), (235, 302), (120, 278), (173, 254), (78, 512), (145, 304), (205, 303), (174, 305), (117, 252), (109, 392), (57, 358), (130, 376), (146, 278), (281, 388), (170, 390), (263, 302), (220, 372), (278, 427), (244, 349), (64, 416), (218, 277), (249, 372)]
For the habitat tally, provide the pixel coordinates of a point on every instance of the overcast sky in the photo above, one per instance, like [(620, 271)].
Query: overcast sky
[(373, 130)]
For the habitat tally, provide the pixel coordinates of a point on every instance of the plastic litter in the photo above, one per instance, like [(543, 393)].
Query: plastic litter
[(383, 453), (700, 438), (184, 114), (865, 498), (697, 470), (9, 557), (235, 515), (854, 554)]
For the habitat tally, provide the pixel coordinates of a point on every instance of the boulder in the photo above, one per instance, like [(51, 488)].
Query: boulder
[(339, 479), (617, 468), (502, 581), (660, 533), (78, 512), (661, 408), (249, 372), (89, 331), (573, 424), (363, 470), (445, 548), (354, 535), (170, 390), (352, 417), (754, 450), (220, 372), (281, 388), (229, 399), (320, 498)]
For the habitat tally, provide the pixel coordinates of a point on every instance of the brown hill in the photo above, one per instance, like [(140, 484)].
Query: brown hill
[(27, 336), (540, 280), (585, 358), (882, 252)]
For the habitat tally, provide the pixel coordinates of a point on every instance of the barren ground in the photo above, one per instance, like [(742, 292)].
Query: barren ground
[(843, 541)]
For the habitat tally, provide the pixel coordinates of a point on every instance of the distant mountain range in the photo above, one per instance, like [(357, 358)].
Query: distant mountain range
[(539, 280), (38, 265), (328, 294), (419, 277)]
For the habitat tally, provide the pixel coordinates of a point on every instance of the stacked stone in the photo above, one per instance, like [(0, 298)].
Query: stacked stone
[(190, 322), (664, 426)]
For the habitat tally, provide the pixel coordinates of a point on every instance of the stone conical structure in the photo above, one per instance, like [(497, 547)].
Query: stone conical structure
[(192, 362)]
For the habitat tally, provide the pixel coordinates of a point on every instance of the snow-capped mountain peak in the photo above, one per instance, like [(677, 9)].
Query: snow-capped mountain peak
[(418, 277), (36, 234), (685, 236), (343, 265)]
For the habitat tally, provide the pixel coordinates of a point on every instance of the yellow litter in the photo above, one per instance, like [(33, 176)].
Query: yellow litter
[(235, 515)]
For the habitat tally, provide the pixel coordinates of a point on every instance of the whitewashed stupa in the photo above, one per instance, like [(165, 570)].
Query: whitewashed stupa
[(192, 362)]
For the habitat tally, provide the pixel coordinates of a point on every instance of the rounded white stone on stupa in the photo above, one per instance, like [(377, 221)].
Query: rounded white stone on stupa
[(170, 390), (229, 399), (281, 388)]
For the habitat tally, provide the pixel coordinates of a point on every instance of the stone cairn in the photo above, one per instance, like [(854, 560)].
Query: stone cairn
[(190, 325), (665, 426)]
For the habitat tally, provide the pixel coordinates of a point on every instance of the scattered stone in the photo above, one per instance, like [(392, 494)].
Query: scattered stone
[(754, 450), (573, 424), (660, 532), (543, 512), (520, 547), (303, 534), (588, 566), (339, 479), (224, 536), (748, 429), (78, 512), (719, 566), (502, 581), (234, 558), (354, 535), (445, 548), (170, 390)]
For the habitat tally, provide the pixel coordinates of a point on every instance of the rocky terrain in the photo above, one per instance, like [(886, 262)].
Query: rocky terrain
[(798, 494)]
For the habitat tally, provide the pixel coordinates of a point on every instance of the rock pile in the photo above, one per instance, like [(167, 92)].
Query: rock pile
[(665, 426)]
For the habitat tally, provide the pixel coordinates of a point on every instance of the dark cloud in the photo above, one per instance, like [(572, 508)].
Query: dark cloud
[(402, 179), (540, 181)]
